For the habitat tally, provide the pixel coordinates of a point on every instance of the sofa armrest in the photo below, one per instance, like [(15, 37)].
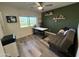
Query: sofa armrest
[(50, 33), (59, 51)]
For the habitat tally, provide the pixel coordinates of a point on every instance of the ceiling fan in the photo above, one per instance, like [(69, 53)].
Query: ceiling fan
[(42, 5)]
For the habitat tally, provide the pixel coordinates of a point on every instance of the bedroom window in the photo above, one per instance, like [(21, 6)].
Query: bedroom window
[(27, 21)]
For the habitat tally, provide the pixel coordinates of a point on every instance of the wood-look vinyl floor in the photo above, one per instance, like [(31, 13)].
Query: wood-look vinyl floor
[(33, 46)]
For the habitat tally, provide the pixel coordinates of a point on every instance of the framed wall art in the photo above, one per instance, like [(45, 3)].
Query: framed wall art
[(11, 19)]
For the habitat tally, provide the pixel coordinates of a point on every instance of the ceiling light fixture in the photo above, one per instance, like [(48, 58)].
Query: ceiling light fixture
[(40, 7)]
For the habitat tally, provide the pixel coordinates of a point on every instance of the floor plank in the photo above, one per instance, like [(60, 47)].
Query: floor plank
[(31, 46)]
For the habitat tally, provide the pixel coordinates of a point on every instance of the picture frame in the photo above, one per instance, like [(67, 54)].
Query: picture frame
[(11, 19)]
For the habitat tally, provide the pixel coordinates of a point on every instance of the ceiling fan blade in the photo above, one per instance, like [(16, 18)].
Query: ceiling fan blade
[(49, 5), (38, 4)]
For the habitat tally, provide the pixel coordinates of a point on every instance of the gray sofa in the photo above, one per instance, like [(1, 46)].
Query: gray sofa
[(61, 43)]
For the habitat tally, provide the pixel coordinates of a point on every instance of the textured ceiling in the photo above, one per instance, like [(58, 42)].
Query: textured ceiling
[(29, 5)]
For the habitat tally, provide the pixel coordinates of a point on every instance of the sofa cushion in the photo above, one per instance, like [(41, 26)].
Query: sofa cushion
[(68, 40), (56, 39)]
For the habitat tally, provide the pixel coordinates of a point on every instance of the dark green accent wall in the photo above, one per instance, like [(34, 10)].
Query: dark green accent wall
[(71, 14)]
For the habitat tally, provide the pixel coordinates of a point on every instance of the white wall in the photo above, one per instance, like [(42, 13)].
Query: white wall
[(78, 42), (2, 54), (1, 26), (15, 27)]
